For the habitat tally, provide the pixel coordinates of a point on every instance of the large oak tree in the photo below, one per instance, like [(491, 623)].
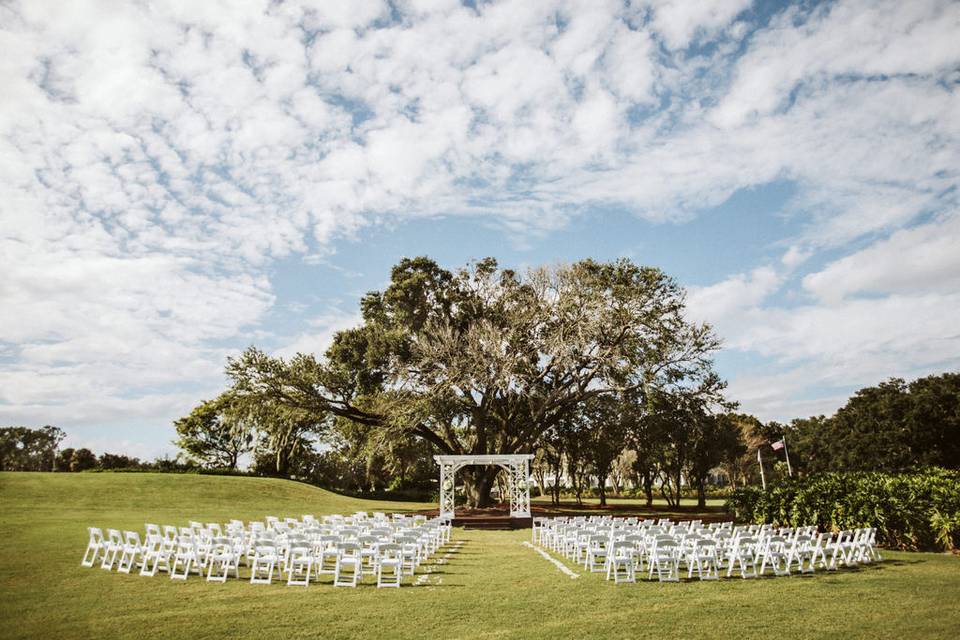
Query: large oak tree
[(484, 360)]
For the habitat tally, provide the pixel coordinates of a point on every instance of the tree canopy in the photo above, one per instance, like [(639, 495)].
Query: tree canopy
[(484, 360), (889, 427)]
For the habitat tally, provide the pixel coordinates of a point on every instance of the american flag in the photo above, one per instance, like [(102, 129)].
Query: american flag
[(776, 446)]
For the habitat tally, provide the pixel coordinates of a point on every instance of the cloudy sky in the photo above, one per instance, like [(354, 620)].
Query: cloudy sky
[(181, 179)]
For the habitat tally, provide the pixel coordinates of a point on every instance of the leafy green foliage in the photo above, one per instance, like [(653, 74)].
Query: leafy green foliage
[(26, 449), (891, 427), (212, 435), (918, 510)]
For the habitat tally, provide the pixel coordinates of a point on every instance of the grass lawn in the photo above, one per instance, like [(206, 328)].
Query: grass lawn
[(490, 587)]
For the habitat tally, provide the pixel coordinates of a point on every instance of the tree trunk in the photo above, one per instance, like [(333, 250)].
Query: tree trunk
[(602, 489), (648, 488), (701, 494), (283, 462), (557, 471), (477, 484), (679, 485), (538, 476)]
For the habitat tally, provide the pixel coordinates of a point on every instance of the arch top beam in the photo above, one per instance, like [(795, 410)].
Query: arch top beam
[(504, 458)]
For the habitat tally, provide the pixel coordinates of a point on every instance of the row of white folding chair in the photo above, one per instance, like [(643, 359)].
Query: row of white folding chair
[(182, 555), (418, 545), (706, 556), (346, 560), (438, 530)]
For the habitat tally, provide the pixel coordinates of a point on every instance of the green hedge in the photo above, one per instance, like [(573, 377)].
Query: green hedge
[(917, 510)]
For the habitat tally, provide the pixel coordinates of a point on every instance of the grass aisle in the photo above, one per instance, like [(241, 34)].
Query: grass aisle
[(490, 586)]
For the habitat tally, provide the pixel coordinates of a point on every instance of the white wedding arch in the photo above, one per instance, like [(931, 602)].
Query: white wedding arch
[(517, 466)]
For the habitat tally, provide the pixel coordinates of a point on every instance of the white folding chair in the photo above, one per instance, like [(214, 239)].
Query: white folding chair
[(774, 553), (300, 563), (665, 559), (221, 559), (835, 547), (95, 546), (596, 560), (389, 565), (264, 563), (867, 546), (112, 547), (349, 570), (800, 552), (156, 555), (132, 550), (702, 558), (184, 558), (621, 564), (326, 553)]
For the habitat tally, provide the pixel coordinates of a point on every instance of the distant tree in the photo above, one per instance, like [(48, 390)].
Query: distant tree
[(550, 449), (82, 460), (575, 455), (622, 469), (604, 429), (112, 461), (64, 458), (684, 423), (646, 438), (285, 440), (26, 449), (715, 438), (539, 468), (214, 434), (168, 464), (933, 420), (740, 463), (891, 427)]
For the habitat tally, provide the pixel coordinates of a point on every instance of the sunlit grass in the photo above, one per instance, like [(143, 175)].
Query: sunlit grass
[(492, 587)]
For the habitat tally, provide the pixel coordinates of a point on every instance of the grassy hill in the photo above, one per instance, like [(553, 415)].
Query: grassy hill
[(492, 587)]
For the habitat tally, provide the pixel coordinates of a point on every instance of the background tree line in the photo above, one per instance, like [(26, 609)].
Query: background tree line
[(595, 367), (29, 449)]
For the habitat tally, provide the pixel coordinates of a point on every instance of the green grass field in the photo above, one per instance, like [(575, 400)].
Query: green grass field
[(492, 587)]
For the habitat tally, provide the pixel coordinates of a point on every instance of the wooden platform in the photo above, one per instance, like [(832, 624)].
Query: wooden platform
[(492, 522)]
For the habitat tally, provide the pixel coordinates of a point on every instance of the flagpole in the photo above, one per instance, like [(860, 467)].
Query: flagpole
[(763, 478), (786, 453)]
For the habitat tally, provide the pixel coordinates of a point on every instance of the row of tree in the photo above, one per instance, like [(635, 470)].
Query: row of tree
[(891, 427), (593, 366), (30, 449)]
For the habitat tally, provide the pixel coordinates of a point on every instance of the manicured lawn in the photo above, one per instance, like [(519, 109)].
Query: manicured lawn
[(491, 587)]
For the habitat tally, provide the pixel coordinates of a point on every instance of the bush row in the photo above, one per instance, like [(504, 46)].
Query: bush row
[(918, 510)]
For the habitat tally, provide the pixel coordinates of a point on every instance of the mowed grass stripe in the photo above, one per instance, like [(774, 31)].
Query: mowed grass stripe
[(490, 587)]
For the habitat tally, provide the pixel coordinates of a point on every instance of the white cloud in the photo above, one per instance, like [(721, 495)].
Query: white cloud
[(724, 301), (680, 22), (923, 258), (156, 159), (320, 335)]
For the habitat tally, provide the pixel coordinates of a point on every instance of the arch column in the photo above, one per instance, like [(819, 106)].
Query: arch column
[(520, 488), (447, 488)]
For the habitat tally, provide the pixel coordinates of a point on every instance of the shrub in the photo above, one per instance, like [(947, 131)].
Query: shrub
[(916, 510)]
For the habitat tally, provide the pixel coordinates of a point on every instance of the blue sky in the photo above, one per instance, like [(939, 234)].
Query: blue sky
[(181, 180)]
